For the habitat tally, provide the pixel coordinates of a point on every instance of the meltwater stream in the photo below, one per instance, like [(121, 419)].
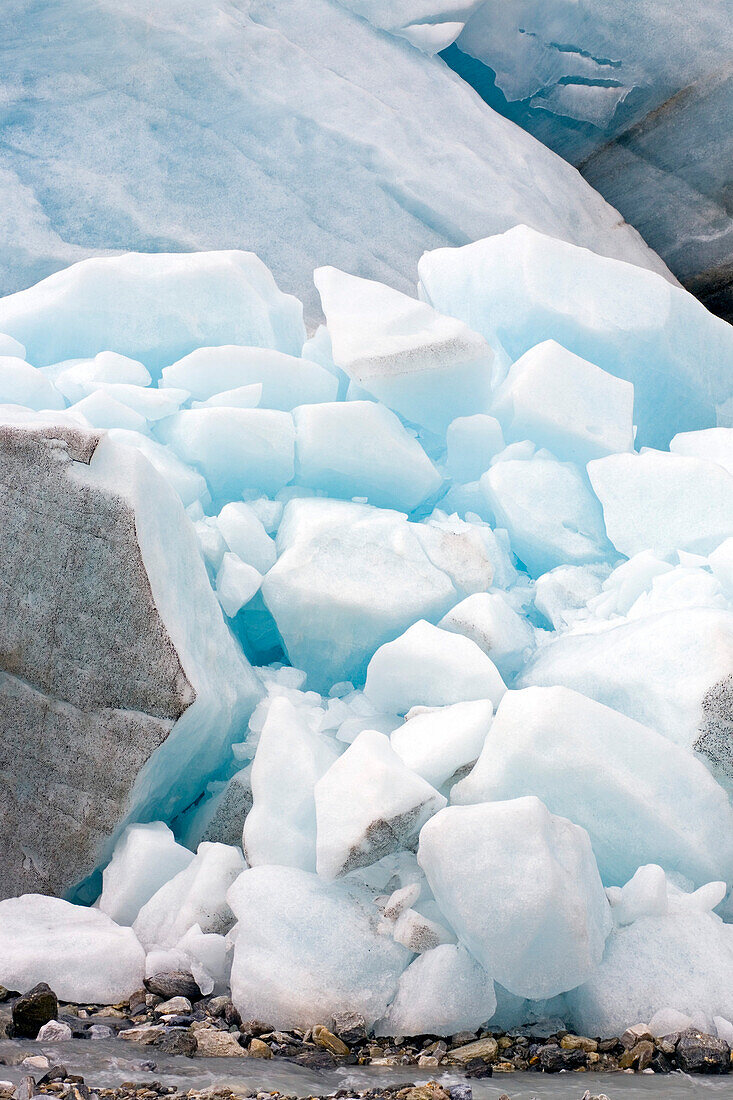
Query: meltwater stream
[(105, 1064)]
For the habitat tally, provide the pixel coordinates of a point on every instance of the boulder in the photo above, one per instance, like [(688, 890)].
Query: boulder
[(121, 689)]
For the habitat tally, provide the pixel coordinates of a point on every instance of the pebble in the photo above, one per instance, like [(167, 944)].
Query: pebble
[(175, 1006), (54, 1031), (217, 1044), (322, 1037), (174, 983)]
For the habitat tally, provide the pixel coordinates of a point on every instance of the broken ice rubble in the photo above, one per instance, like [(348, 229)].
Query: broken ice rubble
[(388, 671)]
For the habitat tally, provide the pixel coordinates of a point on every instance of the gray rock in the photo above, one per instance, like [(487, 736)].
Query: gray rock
[(100, 674), (100, 1031), (350, 1026), (55, 1031), (177, 1040), (700, 1053), (219, 817), (25, 1089), (174, 983), (34, 1009)]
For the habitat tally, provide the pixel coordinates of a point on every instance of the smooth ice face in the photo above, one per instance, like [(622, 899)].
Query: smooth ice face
[(308, 949), (286, 381), (102, 410), (80, 377), (472, 442), (348, 578), (154, 307), (642, 798), (427, 367), (549, 511), (430, 667), (714, 444), (566, 589), (662, 502), (670, 671), (566, 404), (188, 483), (361, 449), (236, 584), (197, 895), (291, 757), (678, 956), (442, 992), (368, 804), (521, 288), (245, 535), (9, 346), (489, 620), (144, 859), (22, 384), (235, 449), (81, 953), (437, 742), (521, 889)]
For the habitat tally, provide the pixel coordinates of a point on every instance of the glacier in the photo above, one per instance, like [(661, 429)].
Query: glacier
[(297, 131), (384, 667)]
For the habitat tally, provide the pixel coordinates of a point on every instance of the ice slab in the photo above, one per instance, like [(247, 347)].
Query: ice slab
[(522, 890), (291, 757), (144, 859), (641, 798), (472, 441), (522, 287), (195, 896), (361, 449), (78, 378), (310, 949), (662, 502), (437, 742), (286, 380), (236, 584), (154, 307), (714, 444), (442, 992), (427, 666), (245, 535), (81, 953), (548, 509), (22, 384), (566, 404), (428, 367), (369, 804), (489, 620), (348, 578)]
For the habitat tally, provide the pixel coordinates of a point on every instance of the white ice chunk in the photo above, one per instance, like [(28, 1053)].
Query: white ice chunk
[(348, 578), (102, 410), (188, 483), (235, 449), (628, 581), (81, 953), (467, 552), (197, 895), (80, 377), (427, 367), (361, 449), (442, 992), (681, 958), (644, 895), (368, 804), (291, 757), (566, 404), (209, 959), (236, 584), (522, 890), (309, 949), (566, 589), (549, 511), (714, 444), (241, 397), (641, 798), (286, 380), (668, 671), (430, 667), (22, 384), (9, 346), (662, 502), (150, 402), (721, 563), (154, 307), (436, 743), (472, 442), (145, 857), (245, 535), (419, 933), (521, 287), (489, 620)]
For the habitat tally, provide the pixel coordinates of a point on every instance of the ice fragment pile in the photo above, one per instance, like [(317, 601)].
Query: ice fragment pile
[(388, 670)]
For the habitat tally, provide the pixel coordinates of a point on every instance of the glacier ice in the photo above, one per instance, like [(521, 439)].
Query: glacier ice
[(523, 892), (236, 584), (565, 404), (368, 804), (521, 288), (489, 620), (442, 992), (471, 443), (436, 742), (144, 859), (427, 666), (641, 799), (311, 949), (715, 444), (81, 953), (22, 384)]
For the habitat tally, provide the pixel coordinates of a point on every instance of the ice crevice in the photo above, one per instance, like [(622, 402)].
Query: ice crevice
[(385, 669)]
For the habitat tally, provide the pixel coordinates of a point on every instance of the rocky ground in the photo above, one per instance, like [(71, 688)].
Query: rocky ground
[(171, 1016)]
